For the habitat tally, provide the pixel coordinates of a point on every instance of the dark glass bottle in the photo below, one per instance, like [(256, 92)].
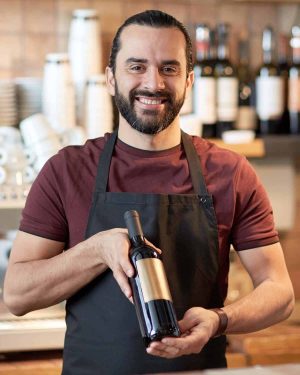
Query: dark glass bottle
[(246, 119), (284, 66), (269, 88), (205, 83), (294, 82), (227, 83), (151, 294)]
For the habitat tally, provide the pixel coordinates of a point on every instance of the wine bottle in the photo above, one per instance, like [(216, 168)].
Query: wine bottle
[(151, 295), (294, 82), (246, 119), (227, 83), (269, 88), (284, 66), (205, 83)]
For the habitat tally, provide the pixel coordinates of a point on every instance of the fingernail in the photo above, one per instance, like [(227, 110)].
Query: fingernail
[(129, 273)]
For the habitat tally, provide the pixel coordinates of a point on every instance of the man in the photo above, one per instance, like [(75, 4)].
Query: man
[(194, 200)]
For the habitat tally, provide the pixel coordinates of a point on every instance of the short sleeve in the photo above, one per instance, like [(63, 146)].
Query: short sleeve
[(253, 223), (43, 214)]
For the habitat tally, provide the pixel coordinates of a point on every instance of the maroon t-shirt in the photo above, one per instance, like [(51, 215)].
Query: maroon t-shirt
[(59, 201)]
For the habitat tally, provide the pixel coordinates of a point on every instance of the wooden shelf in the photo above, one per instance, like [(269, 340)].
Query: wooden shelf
[(255, 149), (266, 146)]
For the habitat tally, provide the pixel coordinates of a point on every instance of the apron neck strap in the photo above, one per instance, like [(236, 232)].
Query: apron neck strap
[(191, 155), (104, 163), (194, 165)]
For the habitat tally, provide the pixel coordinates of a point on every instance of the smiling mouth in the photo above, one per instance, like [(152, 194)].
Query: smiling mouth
[(151, 101)]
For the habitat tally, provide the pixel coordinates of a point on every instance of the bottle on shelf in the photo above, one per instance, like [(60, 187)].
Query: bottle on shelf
[(294, 82), (284, 66), (205, 83), (227, 83), (151, 295), (269, 89), (246, 119)]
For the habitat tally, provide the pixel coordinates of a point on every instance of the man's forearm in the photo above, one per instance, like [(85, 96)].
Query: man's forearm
[(41, 283), (269, 303)]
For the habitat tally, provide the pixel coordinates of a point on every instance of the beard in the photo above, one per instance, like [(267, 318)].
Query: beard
[(157, 121)]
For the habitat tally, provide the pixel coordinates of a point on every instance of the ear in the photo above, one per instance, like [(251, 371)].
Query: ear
[(110, 80), (190, 80)]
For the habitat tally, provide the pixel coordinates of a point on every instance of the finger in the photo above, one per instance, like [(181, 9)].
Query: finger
[(163, 350), (151, 244), (122, 280), (126, 266), (186, 345), (185, 325)]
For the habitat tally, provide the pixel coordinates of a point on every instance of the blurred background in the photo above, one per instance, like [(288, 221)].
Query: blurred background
[(246, 98)]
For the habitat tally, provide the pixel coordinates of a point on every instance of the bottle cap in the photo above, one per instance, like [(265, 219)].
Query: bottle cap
[(132, 220)]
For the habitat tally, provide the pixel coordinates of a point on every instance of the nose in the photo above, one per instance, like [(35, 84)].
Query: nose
[(153, 80)]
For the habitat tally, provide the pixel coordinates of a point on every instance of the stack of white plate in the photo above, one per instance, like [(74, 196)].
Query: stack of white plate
[(29, 94), (8, 103), (58, 95), (85, 53), (98, 109)]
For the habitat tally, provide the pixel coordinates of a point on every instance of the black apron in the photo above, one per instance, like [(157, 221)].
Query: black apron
[(103, 335)]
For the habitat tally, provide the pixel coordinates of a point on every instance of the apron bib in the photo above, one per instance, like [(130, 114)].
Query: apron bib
[(103, 335)]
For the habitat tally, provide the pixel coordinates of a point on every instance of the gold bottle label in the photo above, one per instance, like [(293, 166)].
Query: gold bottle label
[(153, 279)]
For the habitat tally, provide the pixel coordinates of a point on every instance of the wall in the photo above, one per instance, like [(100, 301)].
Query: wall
[(31, 28)]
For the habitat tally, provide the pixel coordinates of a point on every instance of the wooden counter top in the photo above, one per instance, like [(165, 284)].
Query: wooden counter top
[(276, 345)]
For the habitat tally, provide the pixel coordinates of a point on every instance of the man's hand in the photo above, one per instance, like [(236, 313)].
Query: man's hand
[(113, 247), (197, 327)]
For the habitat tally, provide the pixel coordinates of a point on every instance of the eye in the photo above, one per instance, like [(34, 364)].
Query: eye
[(170, 69), (136, 68)]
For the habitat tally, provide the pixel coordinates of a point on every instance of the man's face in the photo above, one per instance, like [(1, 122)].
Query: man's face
[(150, 78)]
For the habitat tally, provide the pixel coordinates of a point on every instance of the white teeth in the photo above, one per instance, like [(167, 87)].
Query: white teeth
[(149, 101)]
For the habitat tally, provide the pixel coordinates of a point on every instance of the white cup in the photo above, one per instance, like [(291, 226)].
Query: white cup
[(98, 107), (35, 128), (58, 95), (47, 146), (8, 134), (74, 136), (13, 156), (30, 155), (85, 53), (40, 162), (29, 175), (3, 175)]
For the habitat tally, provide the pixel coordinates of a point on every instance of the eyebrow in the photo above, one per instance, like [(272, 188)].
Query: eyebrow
[(144, 61), (136, 60)]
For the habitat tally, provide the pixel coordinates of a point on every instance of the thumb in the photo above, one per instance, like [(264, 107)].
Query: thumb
[(189, 320)]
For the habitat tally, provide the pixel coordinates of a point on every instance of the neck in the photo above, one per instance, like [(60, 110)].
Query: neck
[(164, 140)]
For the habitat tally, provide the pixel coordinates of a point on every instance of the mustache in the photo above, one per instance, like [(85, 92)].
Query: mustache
[(155, 94)]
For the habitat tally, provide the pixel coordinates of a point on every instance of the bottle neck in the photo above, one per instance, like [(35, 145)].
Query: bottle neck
[(137, 241), (267, 56), (268, 45), (223, 51)]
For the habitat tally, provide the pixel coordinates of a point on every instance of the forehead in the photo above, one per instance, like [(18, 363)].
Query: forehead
[(159, 43)]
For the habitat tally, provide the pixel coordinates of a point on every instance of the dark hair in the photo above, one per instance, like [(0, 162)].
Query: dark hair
[(152, 18)]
